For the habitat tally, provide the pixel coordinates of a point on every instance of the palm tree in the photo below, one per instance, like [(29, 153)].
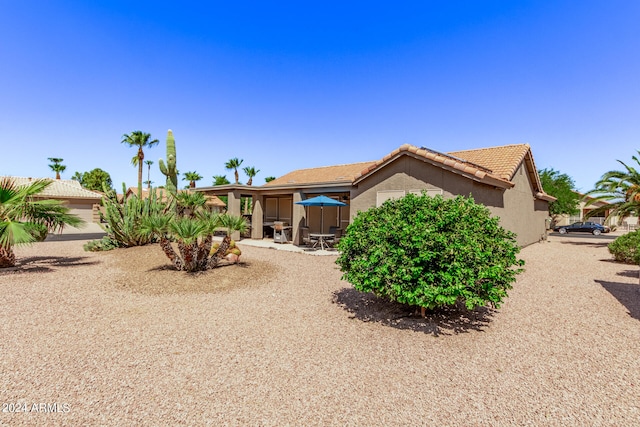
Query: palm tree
[(77, 176), (22, 218), (148, 181), (220, 180), (57, 166), (621, 189), (250, 171), (234, 164), (192, 177), (139, 139), (269, 178)]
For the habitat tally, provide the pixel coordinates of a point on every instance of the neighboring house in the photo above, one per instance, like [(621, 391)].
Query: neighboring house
[(81, 202), (628, 223), (504, 179), (214, 202)]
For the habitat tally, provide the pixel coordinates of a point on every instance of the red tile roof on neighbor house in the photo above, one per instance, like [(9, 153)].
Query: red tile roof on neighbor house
[(211, 200), (59, 188)]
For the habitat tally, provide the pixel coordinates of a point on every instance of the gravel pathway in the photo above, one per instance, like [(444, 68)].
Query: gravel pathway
[(295, 345)]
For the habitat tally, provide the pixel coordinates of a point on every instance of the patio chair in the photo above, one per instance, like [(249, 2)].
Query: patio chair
[(307, 239), (337, 233)]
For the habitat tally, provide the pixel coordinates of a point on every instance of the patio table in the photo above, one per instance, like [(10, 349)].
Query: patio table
[(321, 239)]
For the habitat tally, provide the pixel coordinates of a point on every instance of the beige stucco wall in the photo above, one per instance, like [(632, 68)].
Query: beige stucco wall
[(516, 207), (522, 212), (86, 209)]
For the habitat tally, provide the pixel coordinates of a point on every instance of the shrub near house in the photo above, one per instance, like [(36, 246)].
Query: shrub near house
[(430, 252)]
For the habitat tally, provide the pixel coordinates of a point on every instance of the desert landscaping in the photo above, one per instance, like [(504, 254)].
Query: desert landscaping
[(278, 339)]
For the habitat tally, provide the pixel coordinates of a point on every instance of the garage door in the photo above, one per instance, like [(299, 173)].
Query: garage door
[(84, 211)]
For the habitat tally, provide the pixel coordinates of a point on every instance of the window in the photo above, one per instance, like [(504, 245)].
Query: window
[(383, 196)]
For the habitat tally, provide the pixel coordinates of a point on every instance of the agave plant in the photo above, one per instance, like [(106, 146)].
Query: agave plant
[(22, 218)]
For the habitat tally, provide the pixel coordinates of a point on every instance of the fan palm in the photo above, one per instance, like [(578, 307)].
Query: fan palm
[(621, 189), (220, 180), (234, 164), (57, 166), (22, 218), (139, 139), (250, 171), (192, 177)]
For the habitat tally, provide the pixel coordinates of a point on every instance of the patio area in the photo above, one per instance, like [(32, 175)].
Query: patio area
[(289, 247)]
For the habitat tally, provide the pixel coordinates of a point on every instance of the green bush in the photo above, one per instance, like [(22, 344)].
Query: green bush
[(430, 252), (104, 244), (625, 248)]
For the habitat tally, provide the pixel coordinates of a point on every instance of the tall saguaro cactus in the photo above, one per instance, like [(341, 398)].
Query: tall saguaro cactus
[(169, 170)]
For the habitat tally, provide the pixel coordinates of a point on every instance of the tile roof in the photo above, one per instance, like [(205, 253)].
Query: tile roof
[(60, 188), (494, 166), (327, 174), (470, 169), (211, 200), (502, 161)]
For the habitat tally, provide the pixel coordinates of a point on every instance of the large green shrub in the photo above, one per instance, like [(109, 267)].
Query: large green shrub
[(625, 248), (430, 252)]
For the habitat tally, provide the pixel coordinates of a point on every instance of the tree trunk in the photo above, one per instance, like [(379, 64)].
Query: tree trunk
[(7, 257), (165, 244), (220, 253), (140, 161), (190, 256), (203, 252)]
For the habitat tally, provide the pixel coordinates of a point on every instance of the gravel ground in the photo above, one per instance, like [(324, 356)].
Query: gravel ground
[(117, 339)]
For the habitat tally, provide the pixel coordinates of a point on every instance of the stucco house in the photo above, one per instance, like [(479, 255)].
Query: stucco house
[(504, 179), (587, 204), (81, 202)]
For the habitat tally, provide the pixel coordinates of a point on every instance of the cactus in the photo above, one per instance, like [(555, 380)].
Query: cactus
[(169, 170)]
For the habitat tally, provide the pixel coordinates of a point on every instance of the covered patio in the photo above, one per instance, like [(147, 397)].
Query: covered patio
[(279, 203)]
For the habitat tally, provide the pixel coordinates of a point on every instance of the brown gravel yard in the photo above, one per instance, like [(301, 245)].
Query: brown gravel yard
[(117, 339)]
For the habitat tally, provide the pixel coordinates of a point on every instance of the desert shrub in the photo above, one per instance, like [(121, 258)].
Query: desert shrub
[(430, 252), (625, 248), (39, 232), (123, 219), (104, 244)]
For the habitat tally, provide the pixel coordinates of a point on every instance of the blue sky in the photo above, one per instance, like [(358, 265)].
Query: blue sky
[(292, 85)]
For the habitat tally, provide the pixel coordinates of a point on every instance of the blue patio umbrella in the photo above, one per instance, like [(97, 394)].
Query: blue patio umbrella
[(321, 201)]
